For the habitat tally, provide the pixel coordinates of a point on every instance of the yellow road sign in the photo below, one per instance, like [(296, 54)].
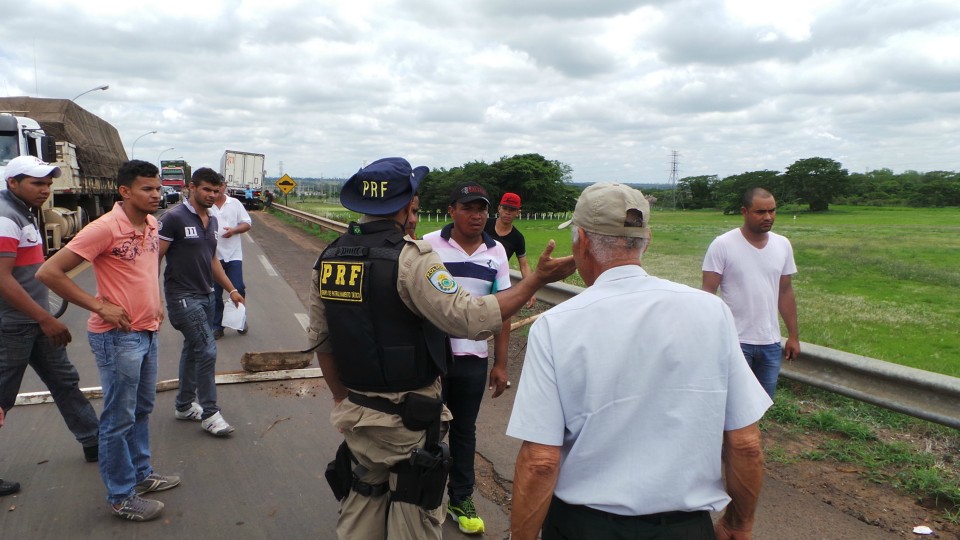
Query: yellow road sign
[(286, 184)]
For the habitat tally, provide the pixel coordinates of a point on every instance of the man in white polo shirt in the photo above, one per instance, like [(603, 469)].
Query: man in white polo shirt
[(637, 411), (232, 220), (479, 264)]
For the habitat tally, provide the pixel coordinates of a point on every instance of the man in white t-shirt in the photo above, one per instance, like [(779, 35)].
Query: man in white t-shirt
[(234, 221), (752, 269)]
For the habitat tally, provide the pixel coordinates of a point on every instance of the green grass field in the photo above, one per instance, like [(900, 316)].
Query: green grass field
[(879, 282)]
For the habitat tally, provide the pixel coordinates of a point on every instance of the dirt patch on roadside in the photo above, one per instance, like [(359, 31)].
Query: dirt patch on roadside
[(849, 487), (298, 388)]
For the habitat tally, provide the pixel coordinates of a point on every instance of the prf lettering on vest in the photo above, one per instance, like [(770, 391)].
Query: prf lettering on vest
[(341, 281), (374, 189)]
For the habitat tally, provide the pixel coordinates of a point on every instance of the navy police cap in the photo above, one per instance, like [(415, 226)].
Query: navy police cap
[(382, 187)]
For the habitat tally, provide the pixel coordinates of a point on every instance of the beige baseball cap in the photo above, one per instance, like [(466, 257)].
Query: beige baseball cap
[(603, 209)]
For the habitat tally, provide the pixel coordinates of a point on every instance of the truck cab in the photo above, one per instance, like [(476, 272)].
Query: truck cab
[(175, 173), (87, 149), (20, 136)]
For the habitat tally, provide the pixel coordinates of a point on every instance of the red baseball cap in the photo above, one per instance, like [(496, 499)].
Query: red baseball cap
[(510, 199)]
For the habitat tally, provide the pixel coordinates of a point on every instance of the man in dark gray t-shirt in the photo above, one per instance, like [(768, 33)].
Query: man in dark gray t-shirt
[(188, 238), (192, 246)]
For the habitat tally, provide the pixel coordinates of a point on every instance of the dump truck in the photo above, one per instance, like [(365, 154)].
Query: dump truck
[(87, 149), (243, 173), (175, 172)]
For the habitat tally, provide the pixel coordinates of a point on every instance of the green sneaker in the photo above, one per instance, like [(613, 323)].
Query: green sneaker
[(466, 515)]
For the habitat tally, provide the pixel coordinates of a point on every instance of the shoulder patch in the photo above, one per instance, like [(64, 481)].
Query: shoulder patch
[(440, 278)]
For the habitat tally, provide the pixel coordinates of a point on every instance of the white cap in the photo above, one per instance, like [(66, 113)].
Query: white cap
[(31, 166)]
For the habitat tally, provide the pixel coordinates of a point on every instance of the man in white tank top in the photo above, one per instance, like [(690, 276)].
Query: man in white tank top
[(752, 267)]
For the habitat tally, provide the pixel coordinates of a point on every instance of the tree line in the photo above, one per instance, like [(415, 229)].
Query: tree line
[(544, 186), (817, 183)]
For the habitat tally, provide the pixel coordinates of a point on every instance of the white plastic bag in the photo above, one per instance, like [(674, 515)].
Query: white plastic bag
[(234, 316)]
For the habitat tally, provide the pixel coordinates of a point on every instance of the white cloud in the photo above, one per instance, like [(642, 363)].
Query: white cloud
[(607, 87)]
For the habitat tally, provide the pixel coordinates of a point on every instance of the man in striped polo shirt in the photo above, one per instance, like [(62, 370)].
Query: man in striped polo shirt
[(479, 265), (29, 333)]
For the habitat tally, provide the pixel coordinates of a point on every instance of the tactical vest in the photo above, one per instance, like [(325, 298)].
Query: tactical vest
[(379, 345)]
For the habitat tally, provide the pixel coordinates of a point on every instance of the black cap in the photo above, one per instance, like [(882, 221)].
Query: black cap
[(468, 192)]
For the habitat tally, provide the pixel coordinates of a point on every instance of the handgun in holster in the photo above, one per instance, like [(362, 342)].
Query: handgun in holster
[(422, 478)]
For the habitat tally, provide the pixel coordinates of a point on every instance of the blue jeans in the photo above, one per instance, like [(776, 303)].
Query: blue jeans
[(128, 373), (463, 387), (23, 344), (193, 317), (765, 361), (234, 270)]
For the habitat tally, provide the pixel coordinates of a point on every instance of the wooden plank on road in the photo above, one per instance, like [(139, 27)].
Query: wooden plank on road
[(235, 377)]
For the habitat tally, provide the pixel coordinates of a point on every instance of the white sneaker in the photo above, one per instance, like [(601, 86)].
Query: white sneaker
[(193, 413), (217, 426)]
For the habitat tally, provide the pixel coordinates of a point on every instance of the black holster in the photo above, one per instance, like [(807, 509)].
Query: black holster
[(421, 480), (342, 476), (339, 472)]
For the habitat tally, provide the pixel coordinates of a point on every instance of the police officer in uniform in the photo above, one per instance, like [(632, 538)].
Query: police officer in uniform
[(382, 305)]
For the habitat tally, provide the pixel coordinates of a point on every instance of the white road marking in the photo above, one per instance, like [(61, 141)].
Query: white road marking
[(304, 320), (271, 271)]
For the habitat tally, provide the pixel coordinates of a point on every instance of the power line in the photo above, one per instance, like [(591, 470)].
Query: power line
[(674, 176)]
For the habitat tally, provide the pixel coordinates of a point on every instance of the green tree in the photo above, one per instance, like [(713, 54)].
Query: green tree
[(541, 183), (436, 187), (876, 187), (936, 189), (729, 191), (816, 182), (696, 192)]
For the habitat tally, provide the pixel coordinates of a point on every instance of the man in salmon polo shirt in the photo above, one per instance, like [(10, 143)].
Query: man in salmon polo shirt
[(126, 313)]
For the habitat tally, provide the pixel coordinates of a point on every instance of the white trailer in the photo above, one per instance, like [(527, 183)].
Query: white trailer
[(243, 172), (242, 169)]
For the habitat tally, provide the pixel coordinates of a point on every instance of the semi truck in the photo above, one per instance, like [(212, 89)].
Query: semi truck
[(243, 173), (175, 173), (87, 149)]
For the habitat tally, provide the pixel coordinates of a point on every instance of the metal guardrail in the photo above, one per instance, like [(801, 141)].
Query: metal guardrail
[(911, 391), (918, 393), (335, 226)]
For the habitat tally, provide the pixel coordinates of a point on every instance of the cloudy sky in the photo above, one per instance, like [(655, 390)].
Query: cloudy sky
[(610, 87)]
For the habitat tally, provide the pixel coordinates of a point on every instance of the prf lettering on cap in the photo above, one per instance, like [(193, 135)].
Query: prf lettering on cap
[(374, 190), (341, 281)]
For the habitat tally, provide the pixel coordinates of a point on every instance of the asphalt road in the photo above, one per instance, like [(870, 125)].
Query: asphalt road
[(266, 481)]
